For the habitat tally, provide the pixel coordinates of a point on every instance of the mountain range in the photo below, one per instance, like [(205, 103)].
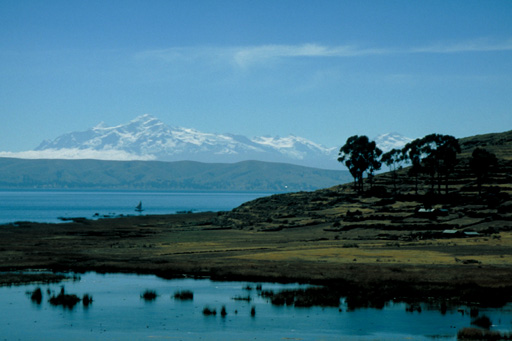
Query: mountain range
[(148, 138)]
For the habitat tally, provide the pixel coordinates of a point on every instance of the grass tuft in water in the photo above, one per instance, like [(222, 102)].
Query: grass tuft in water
[(149, 295), (184, 295), (86, 300), (207, 311), (37, 296), (65, 300)]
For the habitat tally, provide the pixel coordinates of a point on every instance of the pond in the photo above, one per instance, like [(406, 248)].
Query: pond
[(118, 311)]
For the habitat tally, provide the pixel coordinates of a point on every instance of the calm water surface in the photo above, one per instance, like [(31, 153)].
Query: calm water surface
[(118, 312), (48, 205)]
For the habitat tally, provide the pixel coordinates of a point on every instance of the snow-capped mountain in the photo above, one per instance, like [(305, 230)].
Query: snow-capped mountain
[(387, 142), (147, 138)]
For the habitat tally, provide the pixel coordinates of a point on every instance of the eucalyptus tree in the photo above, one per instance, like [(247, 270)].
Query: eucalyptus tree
[(481, 163), (412, 153), (435, 155), (360, 155), (393, 159)]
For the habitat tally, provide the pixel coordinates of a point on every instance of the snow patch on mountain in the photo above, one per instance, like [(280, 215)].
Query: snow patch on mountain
[(389, 141)]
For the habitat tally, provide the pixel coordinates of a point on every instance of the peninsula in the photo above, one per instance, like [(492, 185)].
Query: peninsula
[(399, 238)]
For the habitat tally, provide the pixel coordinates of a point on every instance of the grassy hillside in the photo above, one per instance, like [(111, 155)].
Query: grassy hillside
[(395, 208), (149, 175)]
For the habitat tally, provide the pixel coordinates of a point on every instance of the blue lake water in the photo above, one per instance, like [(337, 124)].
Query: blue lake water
[(118, 312), (48, 205)]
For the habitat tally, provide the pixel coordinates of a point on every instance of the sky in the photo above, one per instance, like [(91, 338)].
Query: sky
[(322, 70)]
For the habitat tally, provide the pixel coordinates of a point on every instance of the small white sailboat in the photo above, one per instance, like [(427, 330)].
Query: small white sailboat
[(139, 208)]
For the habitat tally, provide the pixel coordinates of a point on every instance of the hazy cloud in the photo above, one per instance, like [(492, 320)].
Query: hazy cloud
[(77, 154), (479, 45), (250, 55), (245, 56)]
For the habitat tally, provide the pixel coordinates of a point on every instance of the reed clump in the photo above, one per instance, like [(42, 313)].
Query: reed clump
[(314, 296), (482, 321), (184, 295), (482, 334), (207, 311), (242, 298), (65, 300), (149, 295), (37, 296), (87, 300)]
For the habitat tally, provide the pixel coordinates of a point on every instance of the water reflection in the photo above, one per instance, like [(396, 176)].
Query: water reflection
[(177, 310)]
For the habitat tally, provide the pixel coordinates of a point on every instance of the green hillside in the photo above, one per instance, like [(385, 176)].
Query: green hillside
[(153, 175)]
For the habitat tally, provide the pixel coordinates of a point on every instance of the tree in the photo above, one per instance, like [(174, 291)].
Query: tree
[(435, 155), (393, 159), (481, 163), (448, 148), (360, 155), (411, 152)]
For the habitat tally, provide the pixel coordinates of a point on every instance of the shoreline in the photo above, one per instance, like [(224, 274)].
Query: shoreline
[(172, 246)]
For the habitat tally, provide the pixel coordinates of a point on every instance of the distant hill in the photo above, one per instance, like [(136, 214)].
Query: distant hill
[(156, 175)]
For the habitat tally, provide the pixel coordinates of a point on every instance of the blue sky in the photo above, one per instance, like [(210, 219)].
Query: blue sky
[(323, 70)]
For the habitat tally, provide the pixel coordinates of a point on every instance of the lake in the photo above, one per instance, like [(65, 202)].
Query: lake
[(119, 312), (49, 205)]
